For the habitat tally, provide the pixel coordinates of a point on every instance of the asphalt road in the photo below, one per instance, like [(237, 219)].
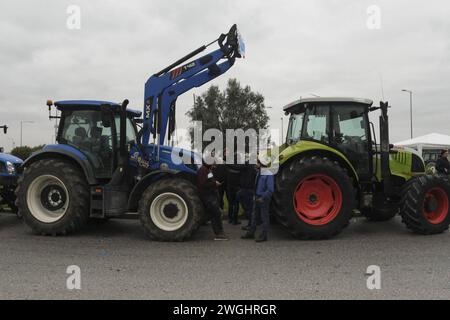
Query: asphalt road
[(117, 261)]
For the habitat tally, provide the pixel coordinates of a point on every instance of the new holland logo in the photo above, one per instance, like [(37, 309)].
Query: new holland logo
[(178, 71)]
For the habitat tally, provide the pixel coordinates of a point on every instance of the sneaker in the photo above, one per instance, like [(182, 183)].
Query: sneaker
[(261, 238), (221, 237), (248, 235), (246, 228)]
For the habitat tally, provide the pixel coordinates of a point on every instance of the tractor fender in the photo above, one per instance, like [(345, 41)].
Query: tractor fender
[(144, 183), (67, 153), (331, 154)]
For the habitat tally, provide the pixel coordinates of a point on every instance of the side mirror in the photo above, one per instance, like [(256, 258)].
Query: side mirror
[(2, 149), (5, 129)]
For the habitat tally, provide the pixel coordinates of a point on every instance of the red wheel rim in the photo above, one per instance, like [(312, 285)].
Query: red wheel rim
[(317, 199), (436, 205)]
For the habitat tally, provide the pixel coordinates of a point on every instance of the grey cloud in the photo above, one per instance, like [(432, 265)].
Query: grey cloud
[(294, 48)]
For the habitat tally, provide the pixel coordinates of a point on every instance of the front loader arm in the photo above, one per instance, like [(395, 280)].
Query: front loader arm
[(163, 88), (171, 94)]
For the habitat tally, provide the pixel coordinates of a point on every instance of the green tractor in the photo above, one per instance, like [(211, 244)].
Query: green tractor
[(331, 165)]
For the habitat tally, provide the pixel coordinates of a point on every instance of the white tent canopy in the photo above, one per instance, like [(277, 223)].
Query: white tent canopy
[(429, 141)]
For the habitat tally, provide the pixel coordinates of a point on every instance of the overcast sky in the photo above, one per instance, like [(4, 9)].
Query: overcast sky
[(294, 48)]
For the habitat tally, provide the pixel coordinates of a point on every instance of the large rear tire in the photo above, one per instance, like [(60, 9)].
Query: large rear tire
[(53, 197), (314, 198), (171, 210), (426, 204)]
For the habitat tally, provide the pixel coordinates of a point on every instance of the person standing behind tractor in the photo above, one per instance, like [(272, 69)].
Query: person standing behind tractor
[(207, 186), (264, 188), (220, 174), (442, 164), (247, 191), (233, 179)]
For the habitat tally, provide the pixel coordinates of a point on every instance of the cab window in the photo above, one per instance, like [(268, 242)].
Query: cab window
[(85, 130), (316, 124), (350, 135)]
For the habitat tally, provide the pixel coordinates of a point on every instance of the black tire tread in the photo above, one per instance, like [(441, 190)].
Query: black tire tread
[(79, 201), (282, 195), (412, 208), (192, 196)]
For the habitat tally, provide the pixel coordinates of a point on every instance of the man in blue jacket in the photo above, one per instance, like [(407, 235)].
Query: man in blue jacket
[(264, 188)]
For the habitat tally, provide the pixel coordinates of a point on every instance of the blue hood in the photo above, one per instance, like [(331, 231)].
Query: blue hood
[(7, 157)]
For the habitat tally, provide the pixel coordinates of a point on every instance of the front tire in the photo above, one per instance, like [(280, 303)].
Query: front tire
[(426, 205), (170, 210), (53, 197), (315, 198)]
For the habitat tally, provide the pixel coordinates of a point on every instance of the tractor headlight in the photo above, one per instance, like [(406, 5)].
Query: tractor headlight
[(10, 168)]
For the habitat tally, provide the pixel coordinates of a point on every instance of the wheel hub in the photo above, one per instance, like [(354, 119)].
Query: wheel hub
[(171, 210), (436, 206), (47, 198), (317, 199), (313, 198), (431, 204), (53, 197)]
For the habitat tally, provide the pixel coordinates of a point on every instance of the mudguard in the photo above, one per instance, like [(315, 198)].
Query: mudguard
[(143, 184), (65, 152)]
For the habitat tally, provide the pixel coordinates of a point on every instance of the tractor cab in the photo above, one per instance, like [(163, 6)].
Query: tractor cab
[(338, 123), (93, 128)]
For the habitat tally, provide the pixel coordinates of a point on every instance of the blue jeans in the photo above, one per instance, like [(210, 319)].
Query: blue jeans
[(233, 205), (245, 198), (261, 210)]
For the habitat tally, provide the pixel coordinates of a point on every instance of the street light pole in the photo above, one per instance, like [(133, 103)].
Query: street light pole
[(21, 130), (282, 129), (410, 109)]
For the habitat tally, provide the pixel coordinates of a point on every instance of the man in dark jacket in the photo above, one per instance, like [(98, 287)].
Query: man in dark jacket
[(246, 192), (443, 165), (265, 186), (232, 180), (207, 186), (220, 174)]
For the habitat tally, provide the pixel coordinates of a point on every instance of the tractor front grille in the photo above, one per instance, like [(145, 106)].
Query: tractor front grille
[(401, 157)]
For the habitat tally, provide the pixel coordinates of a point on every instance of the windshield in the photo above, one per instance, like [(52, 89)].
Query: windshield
[(295, 128)]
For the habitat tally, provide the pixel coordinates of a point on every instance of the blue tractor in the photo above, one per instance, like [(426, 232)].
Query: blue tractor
[(10, 168), (112, 163)]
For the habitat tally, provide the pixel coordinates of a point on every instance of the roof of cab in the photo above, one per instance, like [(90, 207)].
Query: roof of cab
[(92, 103), (302, 101)]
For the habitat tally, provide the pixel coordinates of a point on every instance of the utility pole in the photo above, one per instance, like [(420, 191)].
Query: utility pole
[(410, 109), (282, 129)]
